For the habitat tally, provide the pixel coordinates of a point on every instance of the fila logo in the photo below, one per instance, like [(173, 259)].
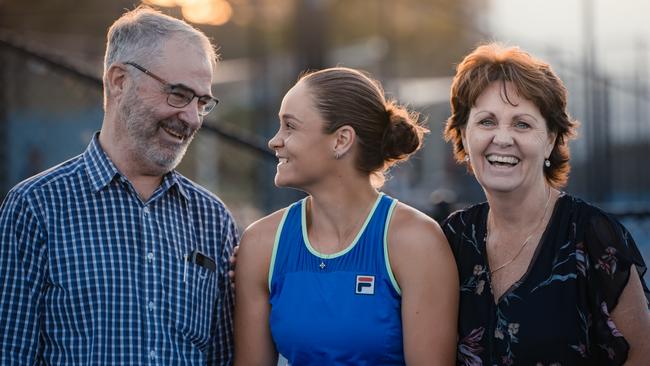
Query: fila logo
[(365, 285)]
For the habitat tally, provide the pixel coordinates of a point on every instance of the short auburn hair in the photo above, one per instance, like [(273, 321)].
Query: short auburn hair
[(533, 79)]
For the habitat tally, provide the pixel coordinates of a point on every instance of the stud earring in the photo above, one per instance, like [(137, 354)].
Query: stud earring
[(466, 158), (337, 155), (547, 163)]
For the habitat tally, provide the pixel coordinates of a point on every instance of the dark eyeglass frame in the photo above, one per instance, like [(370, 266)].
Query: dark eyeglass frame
[(206, 102)]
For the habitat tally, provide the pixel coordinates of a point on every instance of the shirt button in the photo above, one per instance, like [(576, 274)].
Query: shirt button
[(150, 306), (152, 355), (150, 256), (146, 211)]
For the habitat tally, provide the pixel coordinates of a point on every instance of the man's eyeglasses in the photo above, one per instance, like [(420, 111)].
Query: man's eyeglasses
[(179, 96)]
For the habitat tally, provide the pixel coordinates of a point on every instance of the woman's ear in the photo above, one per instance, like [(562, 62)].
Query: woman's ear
[(552, 136), (344, 140), (463, 139)]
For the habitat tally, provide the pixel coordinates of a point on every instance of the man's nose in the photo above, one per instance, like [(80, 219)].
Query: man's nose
[(190, 114)]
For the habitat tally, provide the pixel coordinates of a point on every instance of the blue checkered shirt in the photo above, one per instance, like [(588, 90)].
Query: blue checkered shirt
[(91, 275)]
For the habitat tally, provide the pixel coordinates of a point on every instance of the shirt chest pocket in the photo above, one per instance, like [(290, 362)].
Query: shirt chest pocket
[(192, 297)]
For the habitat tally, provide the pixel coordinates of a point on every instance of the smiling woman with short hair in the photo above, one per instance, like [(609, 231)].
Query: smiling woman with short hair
[(546, 278)]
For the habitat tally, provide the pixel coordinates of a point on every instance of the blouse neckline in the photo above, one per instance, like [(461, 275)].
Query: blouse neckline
[(540, 245)]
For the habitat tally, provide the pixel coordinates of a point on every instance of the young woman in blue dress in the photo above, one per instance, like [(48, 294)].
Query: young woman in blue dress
[(348, 275)]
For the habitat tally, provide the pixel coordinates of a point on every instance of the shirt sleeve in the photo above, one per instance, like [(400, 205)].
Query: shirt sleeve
[(612, 253), (222, 345), (23, 262)]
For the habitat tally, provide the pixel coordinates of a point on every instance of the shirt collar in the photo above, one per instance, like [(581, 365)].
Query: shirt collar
[(172, 179), (101, 169)]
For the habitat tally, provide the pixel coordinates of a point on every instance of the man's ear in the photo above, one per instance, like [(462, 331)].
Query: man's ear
[(116, 80), (344, 140)]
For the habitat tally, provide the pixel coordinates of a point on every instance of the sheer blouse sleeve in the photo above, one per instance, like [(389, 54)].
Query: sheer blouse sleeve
[(612, 252), (605, 261)]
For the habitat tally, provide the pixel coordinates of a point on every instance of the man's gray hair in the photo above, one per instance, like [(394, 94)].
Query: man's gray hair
[(138, 36)]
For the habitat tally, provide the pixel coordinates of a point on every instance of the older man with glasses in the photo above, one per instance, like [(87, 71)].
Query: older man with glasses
[(112, 257)]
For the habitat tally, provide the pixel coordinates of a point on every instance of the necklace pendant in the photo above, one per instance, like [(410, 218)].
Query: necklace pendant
[(322, 265)]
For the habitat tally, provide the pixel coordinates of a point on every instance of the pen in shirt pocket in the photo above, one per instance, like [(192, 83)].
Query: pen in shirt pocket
[(199, 259)]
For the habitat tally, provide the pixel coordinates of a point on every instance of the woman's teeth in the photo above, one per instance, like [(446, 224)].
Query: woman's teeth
[(501, 159)]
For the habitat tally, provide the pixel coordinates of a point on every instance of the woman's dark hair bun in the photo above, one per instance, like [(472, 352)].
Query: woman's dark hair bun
[(403, 135)]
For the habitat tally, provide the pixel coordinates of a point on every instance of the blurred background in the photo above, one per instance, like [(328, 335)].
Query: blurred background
[(51, 62)]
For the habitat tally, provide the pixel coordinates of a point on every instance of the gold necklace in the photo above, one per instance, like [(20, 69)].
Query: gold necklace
[(324, 256), (523, 245)]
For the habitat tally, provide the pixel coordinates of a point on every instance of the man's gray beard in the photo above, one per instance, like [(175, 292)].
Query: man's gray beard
[(142, 131)]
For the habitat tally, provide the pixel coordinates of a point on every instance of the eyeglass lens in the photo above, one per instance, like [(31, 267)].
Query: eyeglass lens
[(179, 97)]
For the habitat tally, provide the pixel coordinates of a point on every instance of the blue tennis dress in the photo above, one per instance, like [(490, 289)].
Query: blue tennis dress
[(336, 309)]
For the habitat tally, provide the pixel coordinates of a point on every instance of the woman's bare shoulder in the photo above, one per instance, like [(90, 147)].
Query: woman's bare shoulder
[(408, 222), (259, 237)]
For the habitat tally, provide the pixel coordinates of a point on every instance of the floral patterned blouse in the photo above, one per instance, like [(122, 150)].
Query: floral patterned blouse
[(558, 312)]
